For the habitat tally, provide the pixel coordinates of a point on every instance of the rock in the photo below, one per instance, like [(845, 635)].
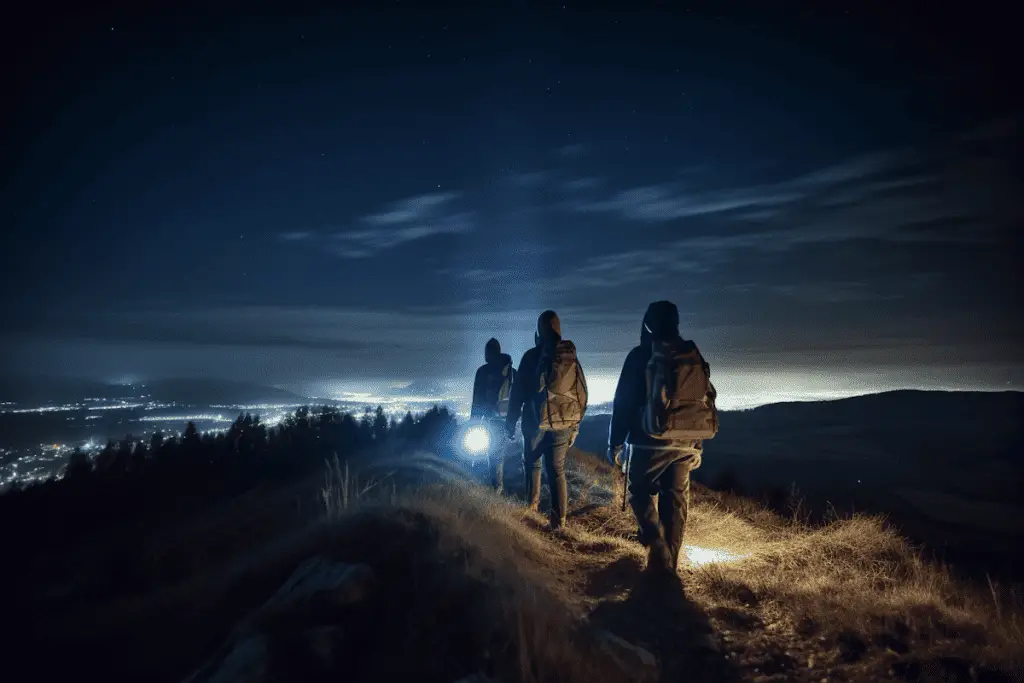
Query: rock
[(629, 657), (245, 662), (319, 577), (318, 582)]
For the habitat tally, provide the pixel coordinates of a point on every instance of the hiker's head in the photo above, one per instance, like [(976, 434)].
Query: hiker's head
[(492, 351), (549, 328), (662, 320), (645, 334)]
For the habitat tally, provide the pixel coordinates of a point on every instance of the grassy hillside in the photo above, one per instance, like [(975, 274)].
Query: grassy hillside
[(943, 467), (466, 583)]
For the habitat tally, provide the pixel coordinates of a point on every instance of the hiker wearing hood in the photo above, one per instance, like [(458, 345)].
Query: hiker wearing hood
[(551, 396), (662, 454), (492, 387)]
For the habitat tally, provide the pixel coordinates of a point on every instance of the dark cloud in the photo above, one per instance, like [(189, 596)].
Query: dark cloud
[(199, 328), (403, 221)]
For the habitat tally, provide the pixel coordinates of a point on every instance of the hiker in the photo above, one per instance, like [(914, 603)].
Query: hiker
[(664, 408), (551, 395), (492, 387)]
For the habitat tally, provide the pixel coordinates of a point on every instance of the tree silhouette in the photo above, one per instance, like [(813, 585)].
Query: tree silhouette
[(380, 424), (191, 436), (79, 465), (132, 485)]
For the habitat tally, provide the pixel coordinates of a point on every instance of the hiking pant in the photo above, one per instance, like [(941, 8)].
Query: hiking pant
[(496, 453), (659, 487), (552, 447)]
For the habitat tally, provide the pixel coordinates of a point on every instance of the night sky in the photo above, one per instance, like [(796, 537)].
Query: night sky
[(324, 201)]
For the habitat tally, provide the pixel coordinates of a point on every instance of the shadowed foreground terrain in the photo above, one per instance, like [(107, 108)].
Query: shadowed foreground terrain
[(369, 577)]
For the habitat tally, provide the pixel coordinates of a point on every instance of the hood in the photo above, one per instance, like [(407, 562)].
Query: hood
[(492, 351), (645, 335), (662, 320), (549, 328)]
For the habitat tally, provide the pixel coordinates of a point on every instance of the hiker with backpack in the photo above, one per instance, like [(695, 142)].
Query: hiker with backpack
[(492, 387), (550, 393), (664, 408)]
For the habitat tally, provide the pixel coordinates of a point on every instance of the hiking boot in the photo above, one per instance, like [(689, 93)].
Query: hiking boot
[(558, 524), (658, 560)]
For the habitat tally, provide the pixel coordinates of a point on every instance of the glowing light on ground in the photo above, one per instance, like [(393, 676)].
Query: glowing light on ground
[(700, 556)]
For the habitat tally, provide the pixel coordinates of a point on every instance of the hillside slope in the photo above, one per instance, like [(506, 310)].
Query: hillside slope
[(942, 466), (466, 583)]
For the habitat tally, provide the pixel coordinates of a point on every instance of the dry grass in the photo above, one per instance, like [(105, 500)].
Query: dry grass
[(472, 583), (855, 578), (820, 592), (465, 586)]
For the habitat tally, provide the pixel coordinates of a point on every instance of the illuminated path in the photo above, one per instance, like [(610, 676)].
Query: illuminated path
[(700, 556)]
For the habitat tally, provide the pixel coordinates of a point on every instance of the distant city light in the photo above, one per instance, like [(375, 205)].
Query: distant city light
[(118, 406), (186, 418), (44, 409), (109, 417)]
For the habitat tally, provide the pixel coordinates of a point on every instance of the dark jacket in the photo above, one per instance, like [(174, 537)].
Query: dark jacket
[(519, 399), (549, 333), (484, 403), (631, 393)]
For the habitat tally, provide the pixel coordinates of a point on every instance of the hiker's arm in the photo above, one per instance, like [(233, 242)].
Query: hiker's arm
[(476, 409), (622, 405), (515, 400)]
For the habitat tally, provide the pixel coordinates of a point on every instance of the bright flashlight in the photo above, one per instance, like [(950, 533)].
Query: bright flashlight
[(476, 440)]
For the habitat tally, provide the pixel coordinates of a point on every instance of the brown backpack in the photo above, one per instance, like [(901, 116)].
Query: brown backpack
[(499, 386), (561, 399), (680, 395)]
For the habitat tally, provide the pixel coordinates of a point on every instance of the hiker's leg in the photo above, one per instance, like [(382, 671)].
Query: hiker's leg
[(674, 504), (557, 446), (496, 458), (643, 488), (531, 472), (498, 469)]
